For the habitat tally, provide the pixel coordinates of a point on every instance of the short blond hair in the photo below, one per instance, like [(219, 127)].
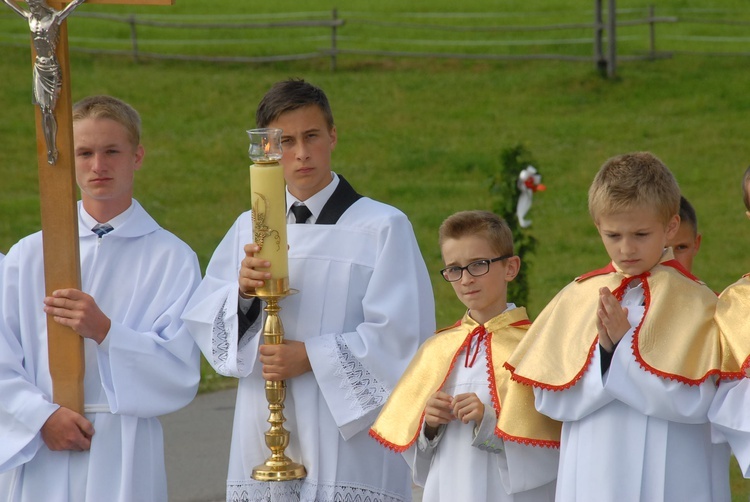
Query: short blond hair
[(107, 107), (632, 180), (482, 223)]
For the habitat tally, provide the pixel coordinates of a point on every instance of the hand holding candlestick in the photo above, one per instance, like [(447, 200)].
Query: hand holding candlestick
[(269, 233)]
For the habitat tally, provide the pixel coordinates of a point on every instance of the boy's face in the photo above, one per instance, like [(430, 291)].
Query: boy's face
[(307, 144), (685, 245), (485, 296), (635, 238), (106, 162)]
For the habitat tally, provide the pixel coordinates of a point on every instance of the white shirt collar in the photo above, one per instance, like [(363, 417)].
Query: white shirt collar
[(118, 220), (315, 203)]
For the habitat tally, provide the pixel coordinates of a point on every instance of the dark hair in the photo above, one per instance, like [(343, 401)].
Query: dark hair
[(687, 214), (746, 188), (289, 95)]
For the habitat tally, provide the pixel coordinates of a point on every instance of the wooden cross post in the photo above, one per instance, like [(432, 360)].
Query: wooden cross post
[(58, 197)]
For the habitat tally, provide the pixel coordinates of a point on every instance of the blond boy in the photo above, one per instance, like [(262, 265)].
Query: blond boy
[(626, 356), (141, 362), (475, 433), (729, 409)]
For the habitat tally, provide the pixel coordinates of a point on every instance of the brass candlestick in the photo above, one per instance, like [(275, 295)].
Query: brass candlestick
[(277, 467), (269, 233)]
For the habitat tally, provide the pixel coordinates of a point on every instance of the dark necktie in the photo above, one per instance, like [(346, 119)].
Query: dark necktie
[(102, 229), (301, 213)]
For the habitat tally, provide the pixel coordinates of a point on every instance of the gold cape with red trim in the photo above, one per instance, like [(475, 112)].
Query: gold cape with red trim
[(676, 338), (733, 319), (400, 420)]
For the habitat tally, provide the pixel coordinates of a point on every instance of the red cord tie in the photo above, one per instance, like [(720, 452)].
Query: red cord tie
[(479, 332)]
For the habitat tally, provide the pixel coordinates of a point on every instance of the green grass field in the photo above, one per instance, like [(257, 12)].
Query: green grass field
[(423, 135)]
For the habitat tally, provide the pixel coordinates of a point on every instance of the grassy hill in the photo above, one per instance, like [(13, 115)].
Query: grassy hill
[(424, 135)]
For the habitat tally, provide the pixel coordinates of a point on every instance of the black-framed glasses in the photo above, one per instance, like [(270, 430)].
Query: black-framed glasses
[(475, 268)]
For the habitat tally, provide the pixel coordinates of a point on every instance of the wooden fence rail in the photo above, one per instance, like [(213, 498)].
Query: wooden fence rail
[(603, 30)]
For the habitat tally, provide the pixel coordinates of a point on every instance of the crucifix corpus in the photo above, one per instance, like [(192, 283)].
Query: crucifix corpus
[(57, 185)]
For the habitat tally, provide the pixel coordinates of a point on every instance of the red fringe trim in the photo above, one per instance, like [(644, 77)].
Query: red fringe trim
[(545, 386), (527, 441), (491, 374), (523, 322), (600, 271), (393, 446), (677, 265), (736, 375), (401, 448), (634, 345)]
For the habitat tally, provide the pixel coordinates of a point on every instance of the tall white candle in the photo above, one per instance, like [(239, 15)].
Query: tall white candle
[(268, 190)]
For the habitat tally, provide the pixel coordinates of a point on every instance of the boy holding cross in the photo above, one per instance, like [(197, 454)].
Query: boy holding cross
[(140, 360)]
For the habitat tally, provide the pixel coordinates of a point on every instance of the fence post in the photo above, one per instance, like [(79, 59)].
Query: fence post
[(599, 61), (134, 37), (652, 31), (611, 40), (333, 40)]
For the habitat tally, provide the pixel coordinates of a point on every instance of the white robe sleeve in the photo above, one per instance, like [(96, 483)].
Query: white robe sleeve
[(422, 453), (529, 467), (728, 414), (526, 467), (147, 374), (578, 401), (484, 435), (24, 408), (398, 310), (655, 396), (212, 313)]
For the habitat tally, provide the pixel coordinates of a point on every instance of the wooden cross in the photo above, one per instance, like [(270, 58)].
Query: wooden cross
[(58, 198)]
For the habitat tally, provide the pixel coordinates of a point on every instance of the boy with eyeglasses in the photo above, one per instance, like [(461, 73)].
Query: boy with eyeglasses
[(627, 356), (477, 434)]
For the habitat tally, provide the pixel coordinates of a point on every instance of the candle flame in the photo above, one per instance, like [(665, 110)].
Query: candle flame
[(266, 145)]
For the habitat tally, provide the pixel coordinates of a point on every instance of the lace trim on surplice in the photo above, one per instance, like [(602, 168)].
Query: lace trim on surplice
[(304, 491), (220, 337), (220, 340), (363, 390)]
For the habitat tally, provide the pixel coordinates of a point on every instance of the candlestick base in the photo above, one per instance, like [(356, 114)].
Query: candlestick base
[(277, 467), (283, 470)]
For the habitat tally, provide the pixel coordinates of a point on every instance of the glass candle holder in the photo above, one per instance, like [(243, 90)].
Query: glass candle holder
[(265, 145)]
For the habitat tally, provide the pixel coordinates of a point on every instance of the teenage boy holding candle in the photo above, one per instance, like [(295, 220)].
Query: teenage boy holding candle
[(364, 306)]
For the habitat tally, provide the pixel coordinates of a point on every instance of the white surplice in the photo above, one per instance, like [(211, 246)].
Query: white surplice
[(729, 411), (461, 465), (364, 306), (141, 276), (631, 436)]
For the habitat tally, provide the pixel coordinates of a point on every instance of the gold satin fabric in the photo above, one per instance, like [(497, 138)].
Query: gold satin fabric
[(733, 319), (676, 338), (400, 420)]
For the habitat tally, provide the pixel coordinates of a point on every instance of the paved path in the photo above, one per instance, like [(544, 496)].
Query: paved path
[(196, 443)]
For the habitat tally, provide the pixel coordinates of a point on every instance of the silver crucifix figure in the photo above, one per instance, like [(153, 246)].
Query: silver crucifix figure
[(44, 22)]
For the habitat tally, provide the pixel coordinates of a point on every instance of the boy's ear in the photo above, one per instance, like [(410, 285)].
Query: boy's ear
[(512, 267), (673, 226)]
